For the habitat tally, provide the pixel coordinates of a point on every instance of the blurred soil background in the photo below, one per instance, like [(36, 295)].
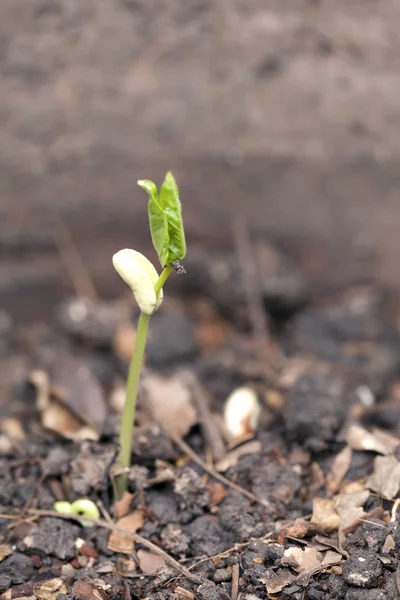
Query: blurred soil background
[(287, 108)]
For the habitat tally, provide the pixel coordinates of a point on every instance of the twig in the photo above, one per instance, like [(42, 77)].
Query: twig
[(137, 538), (251, 285), (77, 270), (198, 460), (105, 512), (235, 582), (208, 425), (228, 552)]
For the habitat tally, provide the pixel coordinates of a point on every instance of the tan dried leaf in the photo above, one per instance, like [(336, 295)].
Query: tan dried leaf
[(127, 567), (169, 402), (49, 589), (385, 480), (12, 427), (276, 582), (340, 466), (388, 545), (359, 438), (122, 541), (88, 590), (5, 550), (70, 399), (349, 507), (149, 562), (331, 558), (124, 341), (122, 506), (302, 559), (325, 517)]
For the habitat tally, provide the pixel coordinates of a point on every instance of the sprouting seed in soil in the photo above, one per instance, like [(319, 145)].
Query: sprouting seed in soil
[(168, 237), (241, 413), (83, 507)]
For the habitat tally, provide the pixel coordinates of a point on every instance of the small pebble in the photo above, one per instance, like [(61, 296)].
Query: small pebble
[(362, 569)]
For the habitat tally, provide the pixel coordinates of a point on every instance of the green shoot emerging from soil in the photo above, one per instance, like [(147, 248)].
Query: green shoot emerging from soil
[(167, 234)]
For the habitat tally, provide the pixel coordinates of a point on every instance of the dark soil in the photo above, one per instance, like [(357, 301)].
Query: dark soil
[(286, 112), (327, 353)]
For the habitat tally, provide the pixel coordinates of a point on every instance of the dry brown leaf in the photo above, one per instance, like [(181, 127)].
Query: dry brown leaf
[(385, 480), (123, 542), (169, 402), (13, 429), (351, 487), (49, 589), (181, 594), (232, 458), (349, 507), (340, 466), (325, 517), (122, 506), (127, 567), (387, 439), (331, 558), (388, 545), (150, 563), (359, 438), (88, 590), (70, 399), (276, 582), (5, 550), (302, 559), (217, 492), (117, 397), (124, 341)]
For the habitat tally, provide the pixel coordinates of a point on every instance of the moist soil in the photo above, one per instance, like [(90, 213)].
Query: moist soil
[(331, 364), (291, 111)]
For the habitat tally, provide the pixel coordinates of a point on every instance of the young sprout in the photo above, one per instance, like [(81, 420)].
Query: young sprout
[(167, 234), (83, 507), (241, 413)]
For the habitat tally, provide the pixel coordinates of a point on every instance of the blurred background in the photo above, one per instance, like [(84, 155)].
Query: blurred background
[(285, 111)]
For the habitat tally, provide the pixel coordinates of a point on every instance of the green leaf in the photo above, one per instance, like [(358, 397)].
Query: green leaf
[(165, 218), (169, 200), (157, 220)]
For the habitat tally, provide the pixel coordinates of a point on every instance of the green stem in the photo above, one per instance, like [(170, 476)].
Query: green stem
[(163, 278), (128, 416)]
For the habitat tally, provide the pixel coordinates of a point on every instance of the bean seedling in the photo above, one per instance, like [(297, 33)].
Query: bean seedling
[(167, 234)]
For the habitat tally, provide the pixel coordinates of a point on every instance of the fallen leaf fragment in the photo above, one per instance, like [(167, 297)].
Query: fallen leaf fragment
[(385, 480), (217, 493), (70, 400), (5, 550), (124, 341), (127, 567), (302, 559), (325, 516), (349, 508), (278, 580), (12, 427), (122, 541), (49, 589), (331, 558), (359, 438), (389, 545), (232, 458), (169, 402), (122, 506), (88, 590), (150, 563), (182, 594), (340, 466)]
